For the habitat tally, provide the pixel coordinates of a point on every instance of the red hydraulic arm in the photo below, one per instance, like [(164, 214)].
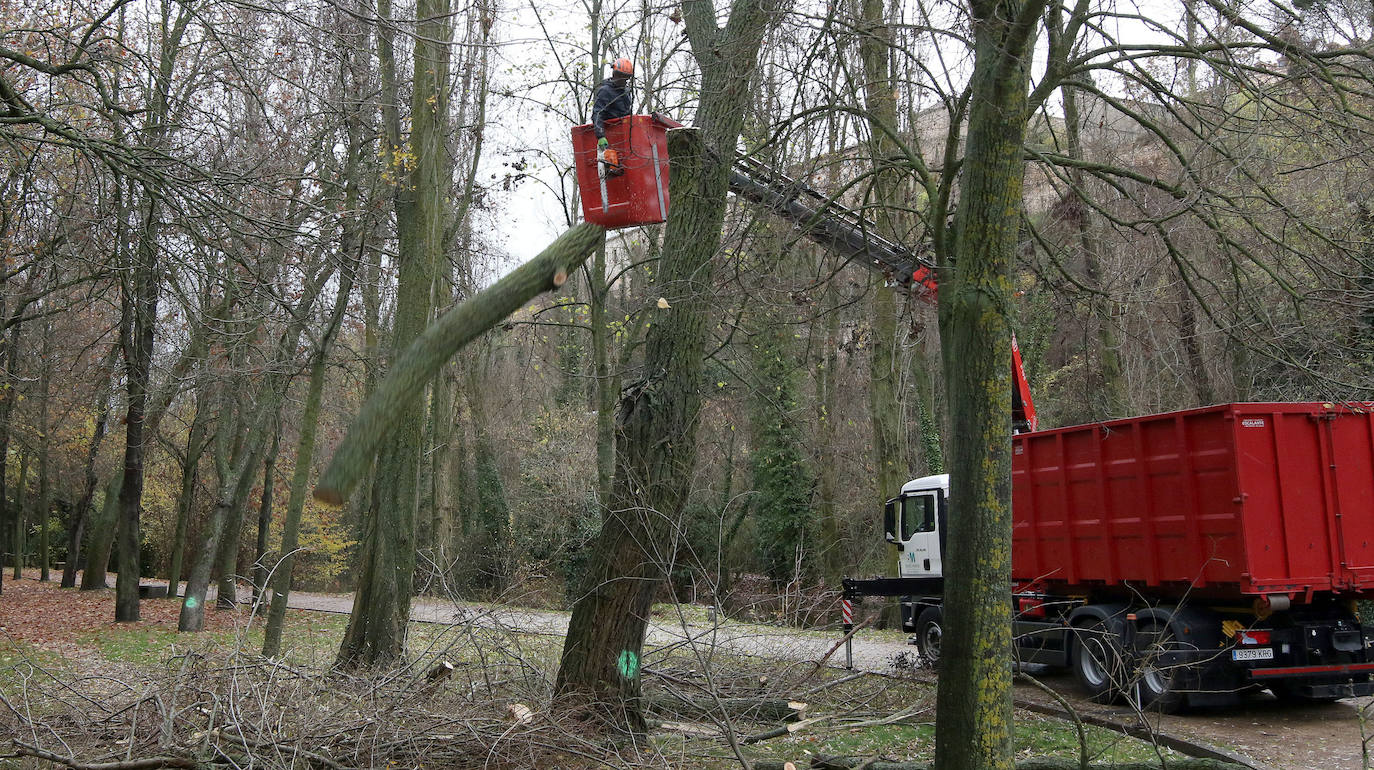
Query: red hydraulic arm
[(853, 236)]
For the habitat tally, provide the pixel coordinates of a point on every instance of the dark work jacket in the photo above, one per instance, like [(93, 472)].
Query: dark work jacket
[(612, 101)]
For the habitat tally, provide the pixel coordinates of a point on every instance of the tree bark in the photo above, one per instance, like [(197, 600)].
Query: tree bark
[(1111, 400), (305, 456), (973, 705), (248, 443), (137, 328)]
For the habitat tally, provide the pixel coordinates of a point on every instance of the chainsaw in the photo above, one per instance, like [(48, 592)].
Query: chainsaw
[(609, 164)]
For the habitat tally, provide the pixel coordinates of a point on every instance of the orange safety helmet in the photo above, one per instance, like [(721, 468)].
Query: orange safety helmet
[(624, 67)]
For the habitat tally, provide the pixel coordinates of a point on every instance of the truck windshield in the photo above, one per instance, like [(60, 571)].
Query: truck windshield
[(918, 515)]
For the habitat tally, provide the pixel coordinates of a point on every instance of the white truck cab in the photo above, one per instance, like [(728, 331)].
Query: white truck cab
[(915, 522)]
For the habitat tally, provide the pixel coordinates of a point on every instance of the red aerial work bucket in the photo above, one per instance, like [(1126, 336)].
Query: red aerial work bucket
[(640, 195)]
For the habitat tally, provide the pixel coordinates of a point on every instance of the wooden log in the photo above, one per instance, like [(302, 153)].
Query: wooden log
[(441, 671), (420, 362)]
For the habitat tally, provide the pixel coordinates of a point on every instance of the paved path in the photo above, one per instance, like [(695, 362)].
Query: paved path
[(746, 639)]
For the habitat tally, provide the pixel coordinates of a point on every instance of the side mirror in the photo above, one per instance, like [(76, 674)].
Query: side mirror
[(890, 523)]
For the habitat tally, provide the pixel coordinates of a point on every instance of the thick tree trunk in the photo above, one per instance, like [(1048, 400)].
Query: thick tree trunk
[(381, 608), (974, 708), (599, 673), (421, 361), (656, 444)]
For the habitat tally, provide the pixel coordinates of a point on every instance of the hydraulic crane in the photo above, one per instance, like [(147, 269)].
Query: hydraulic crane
[(854, 237)]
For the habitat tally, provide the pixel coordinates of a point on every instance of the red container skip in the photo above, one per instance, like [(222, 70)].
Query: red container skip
[(1258, 498), (640, 195)]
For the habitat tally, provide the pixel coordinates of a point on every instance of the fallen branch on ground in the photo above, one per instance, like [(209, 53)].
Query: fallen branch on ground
[(151, 763)]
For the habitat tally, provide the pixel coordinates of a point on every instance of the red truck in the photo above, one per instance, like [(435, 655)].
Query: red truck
[(1176, 559)]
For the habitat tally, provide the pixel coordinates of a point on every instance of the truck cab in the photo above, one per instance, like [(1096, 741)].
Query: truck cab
[(914, 522)]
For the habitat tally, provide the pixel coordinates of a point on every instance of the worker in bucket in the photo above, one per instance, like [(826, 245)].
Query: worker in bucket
[(613, 101)]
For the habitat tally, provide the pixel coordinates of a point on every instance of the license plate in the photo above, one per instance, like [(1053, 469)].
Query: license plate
[(1256, 653)]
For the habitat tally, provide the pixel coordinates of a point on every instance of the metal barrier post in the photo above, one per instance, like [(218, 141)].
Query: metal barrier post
[(847, 611)]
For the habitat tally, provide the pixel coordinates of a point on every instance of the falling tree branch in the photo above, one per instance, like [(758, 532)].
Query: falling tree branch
[(437, 344)]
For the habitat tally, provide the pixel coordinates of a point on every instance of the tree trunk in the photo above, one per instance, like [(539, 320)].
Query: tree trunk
[(190, 474), (227, 556), (781, 479), (884, 403), (82, 512), (827, 466), (973, 704), (137, 327), (265, 516), (137, 339), (44, 449), (1111, 401), (21, 504), (103, 529), (405, 383), (305, 447), (381, 609), (492, 511), (656, 443), (232, 490), (601, 369)]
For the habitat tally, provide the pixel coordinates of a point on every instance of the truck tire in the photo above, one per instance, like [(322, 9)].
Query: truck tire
[(929, 635), (1156, 676), (1096, 661)]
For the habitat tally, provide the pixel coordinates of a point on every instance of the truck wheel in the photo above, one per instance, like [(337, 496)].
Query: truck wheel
[(1096, 661), (1158, 677), (929, 635)]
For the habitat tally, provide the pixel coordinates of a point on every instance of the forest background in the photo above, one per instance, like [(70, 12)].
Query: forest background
[(204, 206)]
